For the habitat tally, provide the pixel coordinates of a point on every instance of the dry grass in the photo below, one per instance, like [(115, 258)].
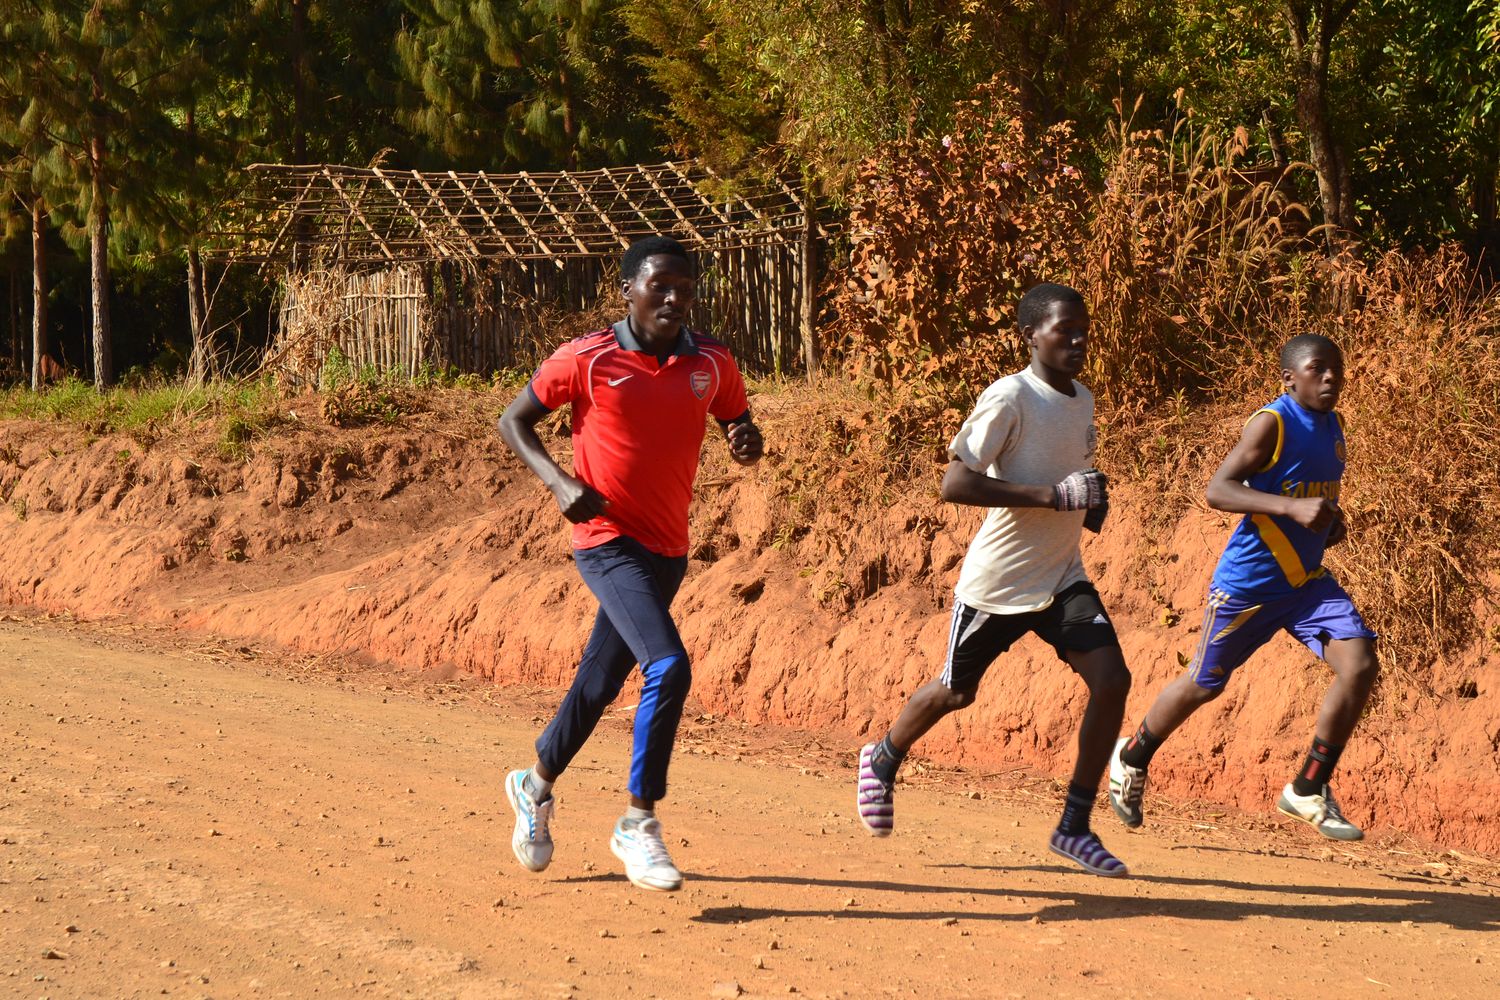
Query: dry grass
[(1187, 252), (1421, 409), (310, 330), (1197, 268), (1423, 414)]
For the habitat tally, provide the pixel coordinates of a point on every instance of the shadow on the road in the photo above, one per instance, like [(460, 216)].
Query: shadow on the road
[(1381, 906), (601, 877)]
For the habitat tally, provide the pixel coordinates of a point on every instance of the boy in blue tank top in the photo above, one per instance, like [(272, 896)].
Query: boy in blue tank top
[(1284, 476)]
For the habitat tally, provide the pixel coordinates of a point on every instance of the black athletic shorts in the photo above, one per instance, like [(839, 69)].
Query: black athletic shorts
[(1075, 620)]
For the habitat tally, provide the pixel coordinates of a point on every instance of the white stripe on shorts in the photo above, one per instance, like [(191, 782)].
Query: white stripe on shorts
[(956, 639)]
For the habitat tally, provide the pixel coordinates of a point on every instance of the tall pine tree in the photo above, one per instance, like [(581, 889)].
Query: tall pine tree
[(528, 83), (31, 154)]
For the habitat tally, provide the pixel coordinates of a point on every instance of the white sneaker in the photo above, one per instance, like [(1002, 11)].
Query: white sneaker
[(531, 840), (1127, 785), (1321, 812), (647, 862)]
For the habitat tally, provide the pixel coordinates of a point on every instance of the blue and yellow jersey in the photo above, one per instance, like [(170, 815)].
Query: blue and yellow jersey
[(1268, 556)]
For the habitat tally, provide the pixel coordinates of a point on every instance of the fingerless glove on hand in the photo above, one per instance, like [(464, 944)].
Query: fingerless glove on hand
[(1081, 491)]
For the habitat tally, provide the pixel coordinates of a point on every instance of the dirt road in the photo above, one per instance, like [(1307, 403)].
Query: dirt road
[(223, 823)]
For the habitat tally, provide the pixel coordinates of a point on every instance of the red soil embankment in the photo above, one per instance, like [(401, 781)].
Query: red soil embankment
[(433, 550)]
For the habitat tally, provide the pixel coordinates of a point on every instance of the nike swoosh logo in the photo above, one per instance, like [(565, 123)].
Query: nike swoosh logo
[(617, 381)]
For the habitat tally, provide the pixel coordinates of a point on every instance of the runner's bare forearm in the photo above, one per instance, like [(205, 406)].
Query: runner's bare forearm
[(578, 501), (963, 485), (518, 430)]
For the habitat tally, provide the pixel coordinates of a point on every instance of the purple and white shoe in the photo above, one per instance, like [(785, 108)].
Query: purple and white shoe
[(1085, 849), (876, 799)]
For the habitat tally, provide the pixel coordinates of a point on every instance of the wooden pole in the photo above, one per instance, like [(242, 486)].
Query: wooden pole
[(38, 290), (809, 284), (771, 269), (750, 310)]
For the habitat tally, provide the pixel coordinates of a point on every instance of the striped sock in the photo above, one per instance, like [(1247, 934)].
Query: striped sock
[(1076, 811)]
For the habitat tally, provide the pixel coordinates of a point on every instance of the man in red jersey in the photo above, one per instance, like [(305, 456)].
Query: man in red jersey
[(641, 394)]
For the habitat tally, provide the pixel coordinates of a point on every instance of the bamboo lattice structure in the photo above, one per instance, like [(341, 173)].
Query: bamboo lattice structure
[(483, 260), (369, 214)]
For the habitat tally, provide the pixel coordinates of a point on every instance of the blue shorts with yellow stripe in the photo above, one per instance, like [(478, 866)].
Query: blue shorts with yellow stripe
[(1317, 613)]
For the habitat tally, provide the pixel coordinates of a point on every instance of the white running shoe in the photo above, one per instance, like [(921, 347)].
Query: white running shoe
[(531, 840), (1321, 812), (647, 862), (1127, 785)]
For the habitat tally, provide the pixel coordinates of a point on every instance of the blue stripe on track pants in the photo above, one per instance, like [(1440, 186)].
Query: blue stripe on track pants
[(635, 587)]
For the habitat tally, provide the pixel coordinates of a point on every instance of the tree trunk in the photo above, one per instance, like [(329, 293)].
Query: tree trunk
[(15, 319), (38, 290), (299, 82), (1275, 139), (200, 363), (99, 263), (1313, 26), (300, 78), (1324, 151)]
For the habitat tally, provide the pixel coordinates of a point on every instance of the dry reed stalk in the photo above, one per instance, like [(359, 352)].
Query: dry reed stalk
[(312, 318)]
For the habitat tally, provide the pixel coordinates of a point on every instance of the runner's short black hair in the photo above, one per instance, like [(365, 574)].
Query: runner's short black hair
[(1294, 351), (650, 246), (1034, 306)]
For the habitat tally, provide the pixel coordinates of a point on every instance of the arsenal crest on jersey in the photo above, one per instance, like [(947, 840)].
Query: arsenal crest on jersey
[(700, 381)]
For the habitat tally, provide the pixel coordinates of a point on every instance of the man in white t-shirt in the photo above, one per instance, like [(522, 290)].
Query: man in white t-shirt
[(1026, 452)]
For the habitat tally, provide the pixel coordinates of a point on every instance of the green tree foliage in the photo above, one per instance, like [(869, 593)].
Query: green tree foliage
[(205, 132), (24, 145), (818, 86), (718, 103), (123, 122), (1282, 67), (1430, 105), (313, 78), (523, 82), (85, 60), (1411, 102), (108, 134)]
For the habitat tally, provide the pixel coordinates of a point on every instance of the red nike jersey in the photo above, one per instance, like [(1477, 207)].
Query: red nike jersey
[(638, 427)]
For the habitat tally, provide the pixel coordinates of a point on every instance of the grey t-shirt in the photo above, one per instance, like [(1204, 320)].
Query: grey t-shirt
[(1024, 431)]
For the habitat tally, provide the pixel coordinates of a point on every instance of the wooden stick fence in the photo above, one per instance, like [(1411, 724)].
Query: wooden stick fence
[(401, 269), (398, 320)]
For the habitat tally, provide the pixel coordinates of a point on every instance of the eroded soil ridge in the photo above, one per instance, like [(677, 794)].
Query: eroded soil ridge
[(427, 547)]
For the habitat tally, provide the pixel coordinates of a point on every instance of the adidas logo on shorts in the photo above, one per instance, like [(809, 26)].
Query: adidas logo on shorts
[(1099, 619)]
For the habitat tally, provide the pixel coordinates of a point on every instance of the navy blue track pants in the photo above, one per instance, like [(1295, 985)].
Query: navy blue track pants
[(635, 587)]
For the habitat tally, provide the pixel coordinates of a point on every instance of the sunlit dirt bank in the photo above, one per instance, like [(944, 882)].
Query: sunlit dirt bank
[(424, 546)]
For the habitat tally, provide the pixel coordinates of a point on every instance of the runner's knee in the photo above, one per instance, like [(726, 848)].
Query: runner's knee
[(952, 701), (1359, 667), (673, 673), (1197, 695), (1112, 682), (601, 687)]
